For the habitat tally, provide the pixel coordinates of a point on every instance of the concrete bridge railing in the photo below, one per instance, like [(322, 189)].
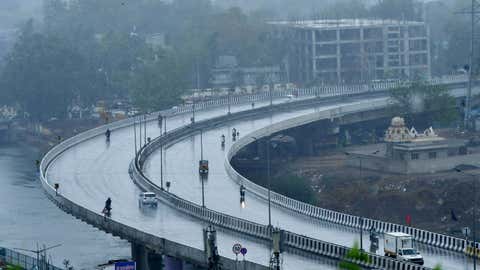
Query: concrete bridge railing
[(131, 233), (422, 236), (111, 226), (318, 91), (292, 240)]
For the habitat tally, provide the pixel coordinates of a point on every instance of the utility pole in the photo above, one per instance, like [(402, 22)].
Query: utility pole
[(229, 100), (269, 180), (145, 129), (135, 134), (140, 131), (161, 161), (468, 103), (197, 88), (474, 216), (202, 176), (474, 222), (165, 125)]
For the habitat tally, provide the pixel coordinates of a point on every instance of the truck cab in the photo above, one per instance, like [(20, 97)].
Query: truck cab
[(410, 254), (400, 246)]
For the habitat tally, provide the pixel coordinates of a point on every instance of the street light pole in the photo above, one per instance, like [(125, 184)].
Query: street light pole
[(269, 182), (135, 134), (270, 90), (268, 179), (161, 161), (470, 69), (361, 175), (140, 131), (193, 96), (201, 175), (165, 125), (145, 129), (229, 91), (360, 167), (474, 223), (474, 216), (361, 233)]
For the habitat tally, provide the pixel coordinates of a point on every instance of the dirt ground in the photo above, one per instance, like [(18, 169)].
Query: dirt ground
[(428, 199)]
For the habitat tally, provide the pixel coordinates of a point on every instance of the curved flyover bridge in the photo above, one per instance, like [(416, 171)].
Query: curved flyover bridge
[(88, 170)]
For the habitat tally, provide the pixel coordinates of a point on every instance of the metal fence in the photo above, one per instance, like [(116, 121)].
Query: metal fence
[(26, 262)]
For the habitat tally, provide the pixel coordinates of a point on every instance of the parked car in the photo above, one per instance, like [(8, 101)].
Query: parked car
[(147, 198)]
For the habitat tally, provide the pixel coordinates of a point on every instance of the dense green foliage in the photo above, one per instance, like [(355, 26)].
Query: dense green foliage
[(354, 254), (295, 187), (83, 51), (14, 267), (420, 97), (90, 50), (397, 9)]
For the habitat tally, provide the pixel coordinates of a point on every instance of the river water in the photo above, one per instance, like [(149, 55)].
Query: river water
[(27, 217)]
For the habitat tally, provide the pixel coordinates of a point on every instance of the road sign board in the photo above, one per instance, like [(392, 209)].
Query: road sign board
[(236, 248), (125, 266), (243, 251)]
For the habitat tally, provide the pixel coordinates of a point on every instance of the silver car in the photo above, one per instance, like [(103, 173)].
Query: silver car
[(147, 198)]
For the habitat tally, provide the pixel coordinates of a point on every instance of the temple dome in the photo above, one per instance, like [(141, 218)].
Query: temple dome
[(398, 122)]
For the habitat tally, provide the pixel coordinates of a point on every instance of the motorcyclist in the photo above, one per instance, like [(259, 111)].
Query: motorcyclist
[(242, 191), (223, 139), (108, 207), (107, 134)]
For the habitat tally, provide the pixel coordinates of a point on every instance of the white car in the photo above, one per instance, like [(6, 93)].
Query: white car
[(147, 198)]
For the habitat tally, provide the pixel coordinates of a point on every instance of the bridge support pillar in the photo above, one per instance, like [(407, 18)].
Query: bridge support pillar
[(155, 261), (140, 256)]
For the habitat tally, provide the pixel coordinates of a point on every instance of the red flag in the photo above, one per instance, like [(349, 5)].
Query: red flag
[(409, 220)]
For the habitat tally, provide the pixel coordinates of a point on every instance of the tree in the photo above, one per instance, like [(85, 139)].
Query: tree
[(42, 74), (295, 187), (158, 84), (354, 254), (397, 9), (420, 97)]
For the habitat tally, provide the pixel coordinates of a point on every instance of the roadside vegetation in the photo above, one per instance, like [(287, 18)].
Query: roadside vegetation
[(354, 254), (418, 97)]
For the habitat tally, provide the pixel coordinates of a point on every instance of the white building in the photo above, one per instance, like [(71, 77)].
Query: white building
[(350, 51)]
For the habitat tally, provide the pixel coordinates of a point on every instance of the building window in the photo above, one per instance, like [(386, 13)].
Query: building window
[(432, 155), (414, 156)]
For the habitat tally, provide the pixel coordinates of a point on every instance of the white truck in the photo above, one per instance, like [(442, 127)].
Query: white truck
[(400, 246)]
